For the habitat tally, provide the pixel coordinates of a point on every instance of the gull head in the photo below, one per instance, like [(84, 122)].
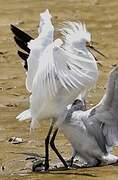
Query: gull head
[(79, 105)]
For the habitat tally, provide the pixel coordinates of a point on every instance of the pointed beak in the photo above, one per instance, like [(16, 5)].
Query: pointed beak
[(89, 45)]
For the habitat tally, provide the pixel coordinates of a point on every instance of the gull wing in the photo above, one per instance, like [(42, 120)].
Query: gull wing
[(107, 110), (94, 129)]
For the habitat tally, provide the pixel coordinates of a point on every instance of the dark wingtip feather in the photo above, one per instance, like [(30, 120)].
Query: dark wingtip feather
[(21, 44), (24, 57), (20, 34)]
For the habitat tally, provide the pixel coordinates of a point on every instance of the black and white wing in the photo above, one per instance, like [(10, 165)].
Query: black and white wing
[(22, 38)]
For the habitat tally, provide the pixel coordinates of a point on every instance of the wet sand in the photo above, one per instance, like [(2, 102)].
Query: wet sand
[(101, 17)]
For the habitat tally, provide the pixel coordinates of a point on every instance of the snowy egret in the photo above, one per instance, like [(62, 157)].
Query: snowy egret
[(22, 39), (65, 69), (94, 132)]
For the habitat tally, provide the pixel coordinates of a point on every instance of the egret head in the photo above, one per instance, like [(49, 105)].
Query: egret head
[(76, 36)]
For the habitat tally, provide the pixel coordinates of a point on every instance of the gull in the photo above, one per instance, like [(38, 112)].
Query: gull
[(94, 132), (65, 69)]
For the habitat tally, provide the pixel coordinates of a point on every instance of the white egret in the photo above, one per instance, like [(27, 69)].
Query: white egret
[(94, 132), (65, 69), (22, 39)]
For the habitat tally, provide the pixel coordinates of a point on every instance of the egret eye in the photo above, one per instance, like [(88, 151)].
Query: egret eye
[(88, 44)]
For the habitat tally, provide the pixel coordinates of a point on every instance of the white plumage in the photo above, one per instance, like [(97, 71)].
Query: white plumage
[(64, 69), (38, 45), (93, 133)]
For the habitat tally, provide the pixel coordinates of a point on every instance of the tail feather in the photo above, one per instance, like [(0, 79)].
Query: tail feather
[(24, 115)]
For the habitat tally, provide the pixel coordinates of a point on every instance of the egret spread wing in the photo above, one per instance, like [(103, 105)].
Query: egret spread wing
[(75, 71), (63, 69), (56, 75), (78, 66), (37, 46), (57, 68)]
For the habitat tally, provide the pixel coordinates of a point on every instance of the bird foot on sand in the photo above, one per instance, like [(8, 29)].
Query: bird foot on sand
[(38, 166), (37, 161)]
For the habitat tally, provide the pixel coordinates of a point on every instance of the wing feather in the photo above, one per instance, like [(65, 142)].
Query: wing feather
[(77, 71), (60, 70), (60, 67), (38, 45), (106, 111)]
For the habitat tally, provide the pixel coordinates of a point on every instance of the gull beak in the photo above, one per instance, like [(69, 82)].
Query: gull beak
[(90, 46)]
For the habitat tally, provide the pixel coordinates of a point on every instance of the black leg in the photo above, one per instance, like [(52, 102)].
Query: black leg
[(71, 161), (98, 162), (47, 147), (55, 149)]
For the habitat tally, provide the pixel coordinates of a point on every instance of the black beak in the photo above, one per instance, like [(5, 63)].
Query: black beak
[(92, 47)]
